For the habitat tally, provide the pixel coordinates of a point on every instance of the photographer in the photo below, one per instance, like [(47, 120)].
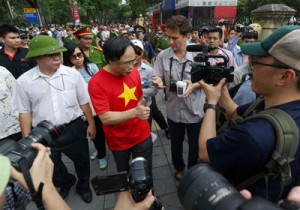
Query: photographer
[(184, 113), (248, 35), (246, 148), (41, 172)]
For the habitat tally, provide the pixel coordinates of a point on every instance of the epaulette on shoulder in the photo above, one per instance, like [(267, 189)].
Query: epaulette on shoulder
[(98, 48)]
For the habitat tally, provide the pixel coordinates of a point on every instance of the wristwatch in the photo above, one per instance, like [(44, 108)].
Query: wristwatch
[(214, 107)]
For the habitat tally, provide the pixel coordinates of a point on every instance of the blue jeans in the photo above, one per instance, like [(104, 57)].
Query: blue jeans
[(177, 132)]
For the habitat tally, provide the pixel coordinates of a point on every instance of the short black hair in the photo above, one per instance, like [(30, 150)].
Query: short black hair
[(195, 29), (231, 29), (218, 30), (250, 35), (115, 47), (6, 28)]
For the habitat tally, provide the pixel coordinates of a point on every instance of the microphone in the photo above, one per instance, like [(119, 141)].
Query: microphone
[(199, 47)]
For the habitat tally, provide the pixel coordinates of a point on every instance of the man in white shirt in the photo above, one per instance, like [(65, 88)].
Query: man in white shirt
[(53, 92)]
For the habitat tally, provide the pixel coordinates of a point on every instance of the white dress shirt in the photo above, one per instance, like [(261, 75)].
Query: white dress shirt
[(56, 98)]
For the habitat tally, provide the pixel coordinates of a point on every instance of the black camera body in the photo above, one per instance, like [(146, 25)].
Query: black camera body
[(223, 22), (173, 87), (201, 68), (204, 188), (239, 28), (137, 179), (43, 133)]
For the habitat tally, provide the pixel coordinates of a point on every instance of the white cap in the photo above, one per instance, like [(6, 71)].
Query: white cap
[(138, 43)]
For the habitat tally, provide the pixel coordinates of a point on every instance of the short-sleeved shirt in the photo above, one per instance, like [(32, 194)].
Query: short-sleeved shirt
[(56, 98), (92, 68), (248, 145), (109, 92), (146, 72), (18, 64), (180, 110), (9, 123)]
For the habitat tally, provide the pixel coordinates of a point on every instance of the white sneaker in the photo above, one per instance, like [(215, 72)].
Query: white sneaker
[(102, 163), (94, 155)]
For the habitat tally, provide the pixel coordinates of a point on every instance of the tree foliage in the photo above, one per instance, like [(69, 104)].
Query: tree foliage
[(246, 6), (59, 11)]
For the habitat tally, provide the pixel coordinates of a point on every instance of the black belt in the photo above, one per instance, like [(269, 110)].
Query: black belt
[(71, 122)]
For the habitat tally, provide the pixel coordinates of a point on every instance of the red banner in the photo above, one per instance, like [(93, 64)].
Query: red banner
[(75, 11)]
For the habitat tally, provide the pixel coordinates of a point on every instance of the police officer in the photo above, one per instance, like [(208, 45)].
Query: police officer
[(70, 37), (95, 55)]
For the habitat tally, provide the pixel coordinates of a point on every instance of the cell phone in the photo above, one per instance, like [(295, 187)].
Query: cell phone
[(110, 183)]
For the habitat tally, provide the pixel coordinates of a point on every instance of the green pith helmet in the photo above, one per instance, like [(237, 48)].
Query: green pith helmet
[(44, 45)]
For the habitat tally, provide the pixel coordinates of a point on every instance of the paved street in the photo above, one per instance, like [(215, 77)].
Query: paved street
[(164, 183)]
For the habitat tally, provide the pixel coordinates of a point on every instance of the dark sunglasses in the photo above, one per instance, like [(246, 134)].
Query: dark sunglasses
[(77, 55)]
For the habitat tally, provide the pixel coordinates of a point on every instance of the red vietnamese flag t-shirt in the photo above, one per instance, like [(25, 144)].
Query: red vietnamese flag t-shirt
[(109, 92)]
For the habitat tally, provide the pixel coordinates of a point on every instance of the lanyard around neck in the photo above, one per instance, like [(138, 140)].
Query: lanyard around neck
[(183, 67)]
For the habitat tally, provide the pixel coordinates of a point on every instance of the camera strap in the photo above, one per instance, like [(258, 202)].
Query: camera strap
[(183, 67), (37, 196)]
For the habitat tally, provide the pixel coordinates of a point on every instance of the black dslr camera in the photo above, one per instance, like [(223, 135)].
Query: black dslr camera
[(204, 188), (19, 151), (138, 180), (201, 68)]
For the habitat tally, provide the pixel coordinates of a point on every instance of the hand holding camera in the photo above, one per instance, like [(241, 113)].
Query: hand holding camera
[(125, 202), (213, 93)]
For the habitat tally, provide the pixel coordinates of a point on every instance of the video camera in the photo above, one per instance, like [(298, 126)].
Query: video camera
[(138, 180), (201, 68), (223, 22), (204, 188), (19, 151)]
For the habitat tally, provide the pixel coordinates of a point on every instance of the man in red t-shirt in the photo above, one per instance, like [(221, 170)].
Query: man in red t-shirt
[(117, 97)]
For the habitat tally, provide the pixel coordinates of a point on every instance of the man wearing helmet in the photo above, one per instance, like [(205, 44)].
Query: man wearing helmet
[(53, 92)]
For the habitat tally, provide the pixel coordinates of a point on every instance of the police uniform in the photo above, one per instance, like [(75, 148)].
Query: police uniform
[(95, 54), (70, 39)]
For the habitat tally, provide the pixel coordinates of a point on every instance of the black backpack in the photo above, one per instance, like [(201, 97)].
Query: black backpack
[(287, 140)]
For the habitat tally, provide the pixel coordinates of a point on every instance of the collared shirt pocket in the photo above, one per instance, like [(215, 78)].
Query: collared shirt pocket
[(70, 98)]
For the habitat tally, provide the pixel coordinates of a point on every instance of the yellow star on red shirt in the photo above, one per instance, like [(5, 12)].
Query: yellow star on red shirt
[(128, 94)]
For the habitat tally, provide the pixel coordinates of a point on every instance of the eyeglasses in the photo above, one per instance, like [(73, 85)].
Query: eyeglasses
[(128, 63), (24, 37), (77, 55), (254, 62)]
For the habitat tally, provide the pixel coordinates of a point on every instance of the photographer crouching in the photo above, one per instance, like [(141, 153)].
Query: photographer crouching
[(243, 150), (41, 172), (14, 191)]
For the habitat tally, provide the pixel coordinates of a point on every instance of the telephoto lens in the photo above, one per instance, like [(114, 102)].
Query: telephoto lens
[(140, 182), (204, 188), (43, 133)]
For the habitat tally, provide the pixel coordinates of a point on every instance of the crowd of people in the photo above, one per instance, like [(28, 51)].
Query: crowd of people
[(100, 82)]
